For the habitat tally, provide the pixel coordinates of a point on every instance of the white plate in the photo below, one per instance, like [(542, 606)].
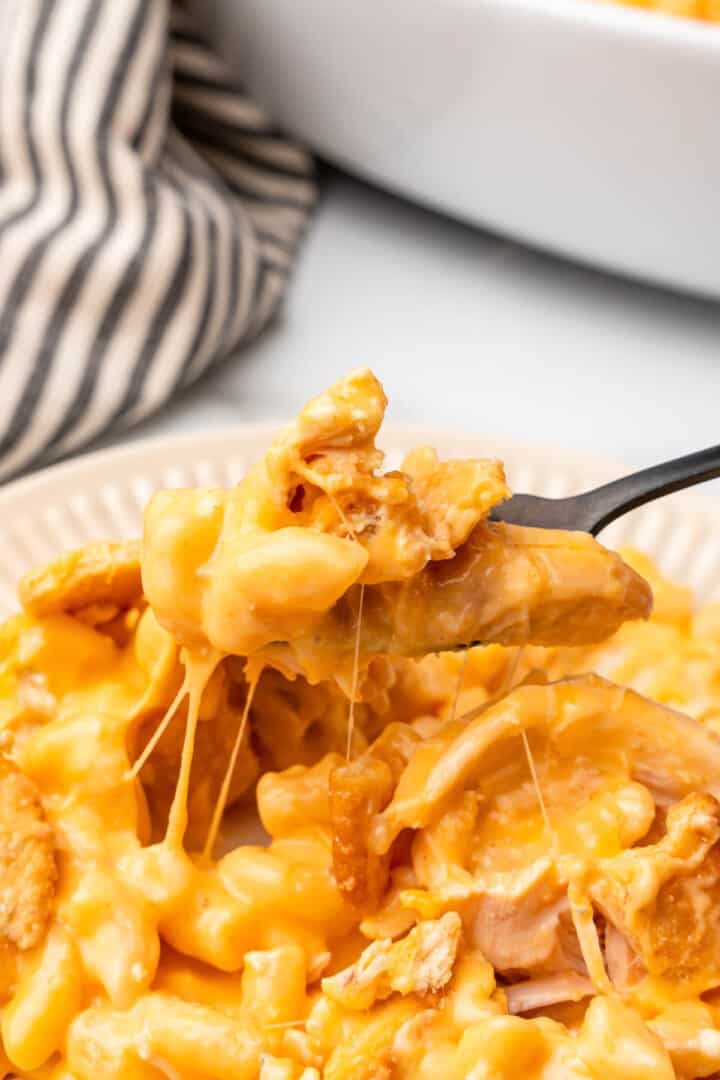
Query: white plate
[(587, 128), (101, 496)]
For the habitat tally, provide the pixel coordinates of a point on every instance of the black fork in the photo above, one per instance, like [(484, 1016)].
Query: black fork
[(592, 510)]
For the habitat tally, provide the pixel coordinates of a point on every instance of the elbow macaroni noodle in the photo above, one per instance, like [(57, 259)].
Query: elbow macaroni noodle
[(516, 871)]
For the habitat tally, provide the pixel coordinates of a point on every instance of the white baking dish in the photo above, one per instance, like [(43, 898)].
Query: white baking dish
[(587, 128)]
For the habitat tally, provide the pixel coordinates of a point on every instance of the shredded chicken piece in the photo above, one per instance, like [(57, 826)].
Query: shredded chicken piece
[(538, 993), (506, 584), (623, 964), (516, 922), (655, 741), (665, 897), (101, 576), (420, 963), (27, 861), (358, 790), (467, 787)]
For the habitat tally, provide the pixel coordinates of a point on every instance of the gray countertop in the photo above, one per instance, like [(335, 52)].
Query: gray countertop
[(470, 331)]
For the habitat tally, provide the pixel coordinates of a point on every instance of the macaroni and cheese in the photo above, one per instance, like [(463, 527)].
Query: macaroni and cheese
[(482, 860)]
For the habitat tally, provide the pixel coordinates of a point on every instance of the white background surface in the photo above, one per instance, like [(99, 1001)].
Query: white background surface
[(467, 330)]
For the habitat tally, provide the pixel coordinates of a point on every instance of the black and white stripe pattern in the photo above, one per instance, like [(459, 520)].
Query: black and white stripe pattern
[(149, 217)]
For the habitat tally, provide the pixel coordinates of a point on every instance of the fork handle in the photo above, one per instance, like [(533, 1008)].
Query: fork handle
[(598, 508), (592, 510)]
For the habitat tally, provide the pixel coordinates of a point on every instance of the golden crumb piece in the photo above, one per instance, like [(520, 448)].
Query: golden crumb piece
[(358, 791), (97, 575), (420, 963), (664, 898), (27, 861)]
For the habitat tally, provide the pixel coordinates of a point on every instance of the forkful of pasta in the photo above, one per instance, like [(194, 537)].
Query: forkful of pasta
[(317, 557)]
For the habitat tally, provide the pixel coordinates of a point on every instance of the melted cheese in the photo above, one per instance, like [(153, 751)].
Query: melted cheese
[(510, 837), (199, 667), (279, 564), (123, 906)]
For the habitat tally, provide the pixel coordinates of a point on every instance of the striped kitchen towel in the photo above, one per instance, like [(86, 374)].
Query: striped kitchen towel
[(149, 217)]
